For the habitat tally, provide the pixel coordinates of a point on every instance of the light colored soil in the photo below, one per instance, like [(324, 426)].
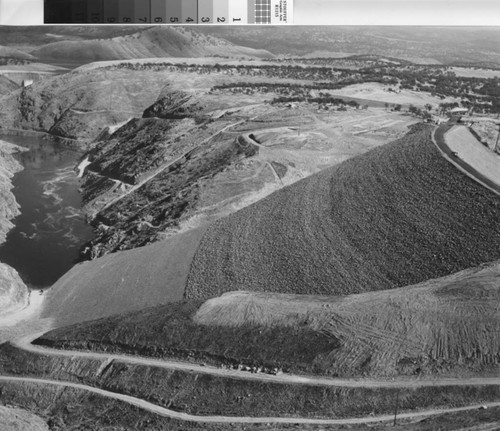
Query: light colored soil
[(460, 140), (324, 139), (31, 67), (469, 72), (379, 92), (487, 129), (15, 419), (26, 309), (447, 325)]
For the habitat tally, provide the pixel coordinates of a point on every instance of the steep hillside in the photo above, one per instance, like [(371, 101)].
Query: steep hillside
[(78, 105), (73, 106), (13, 292), (6, 85), (153, 42), (397, 215), (27, 37), (126, 281), (9, 52), (176, 167), (446, 326), (9, 165)]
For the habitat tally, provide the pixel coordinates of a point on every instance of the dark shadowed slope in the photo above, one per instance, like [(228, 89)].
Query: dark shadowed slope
[(126, 281), (395, 216)]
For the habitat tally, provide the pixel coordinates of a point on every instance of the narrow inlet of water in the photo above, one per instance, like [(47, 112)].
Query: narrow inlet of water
[(48, 234)]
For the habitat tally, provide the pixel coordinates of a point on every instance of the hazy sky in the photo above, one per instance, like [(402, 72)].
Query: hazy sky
[(397, 12), (338, 12)]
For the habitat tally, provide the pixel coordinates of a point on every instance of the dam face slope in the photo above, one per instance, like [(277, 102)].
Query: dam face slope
[(395, 216), (126, 281)]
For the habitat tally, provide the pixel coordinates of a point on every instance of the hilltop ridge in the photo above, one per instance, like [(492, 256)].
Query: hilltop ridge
[(148, 43)]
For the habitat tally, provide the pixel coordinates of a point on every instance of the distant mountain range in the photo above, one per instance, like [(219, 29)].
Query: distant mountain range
[(83, 44), (456, 44), (80, 45)]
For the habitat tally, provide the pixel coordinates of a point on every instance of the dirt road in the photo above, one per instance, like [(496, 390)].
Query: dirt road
[(162, 411), (24, 343), (440, 142)]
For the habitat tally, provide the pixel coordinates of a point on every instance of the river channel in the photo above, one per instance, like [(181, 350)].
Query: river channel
[(48, 234)]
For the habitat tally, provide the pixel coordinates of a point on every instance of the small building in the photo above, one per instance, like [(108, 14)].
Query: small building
[(27, 82)]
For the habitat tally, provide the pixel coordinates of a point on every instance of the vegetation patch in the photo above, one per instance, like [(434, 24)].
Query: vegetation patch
[(169, 332)]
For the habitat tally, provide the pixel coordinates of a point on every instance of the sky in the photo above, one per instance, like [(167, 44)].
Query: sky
[(397, 12), (335, 12)]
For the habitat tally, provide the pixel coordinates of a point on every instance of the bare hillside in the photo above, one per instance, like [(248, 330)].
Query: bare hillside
[(153, 42), (10, 52)]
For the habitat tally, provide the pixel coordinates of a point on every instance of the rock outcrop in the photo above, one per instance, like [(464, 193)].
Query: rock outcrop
[(13, 292)]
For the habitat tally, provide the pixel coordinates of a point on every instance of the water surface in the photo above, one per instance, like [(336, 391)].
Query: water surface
[(49, 232)]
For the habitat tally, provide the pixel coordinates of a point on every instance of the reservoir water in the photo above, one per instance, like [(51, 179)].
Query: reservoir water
[(48, 234)]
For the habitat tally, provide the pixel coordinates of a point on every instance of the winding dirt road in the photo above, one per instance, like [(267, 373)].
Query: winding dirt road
[(24, 343), (162, 411)]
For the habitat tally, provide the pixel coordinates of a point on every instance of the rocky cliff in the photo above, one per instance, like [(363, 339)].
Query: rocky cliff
[(13, 292)]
